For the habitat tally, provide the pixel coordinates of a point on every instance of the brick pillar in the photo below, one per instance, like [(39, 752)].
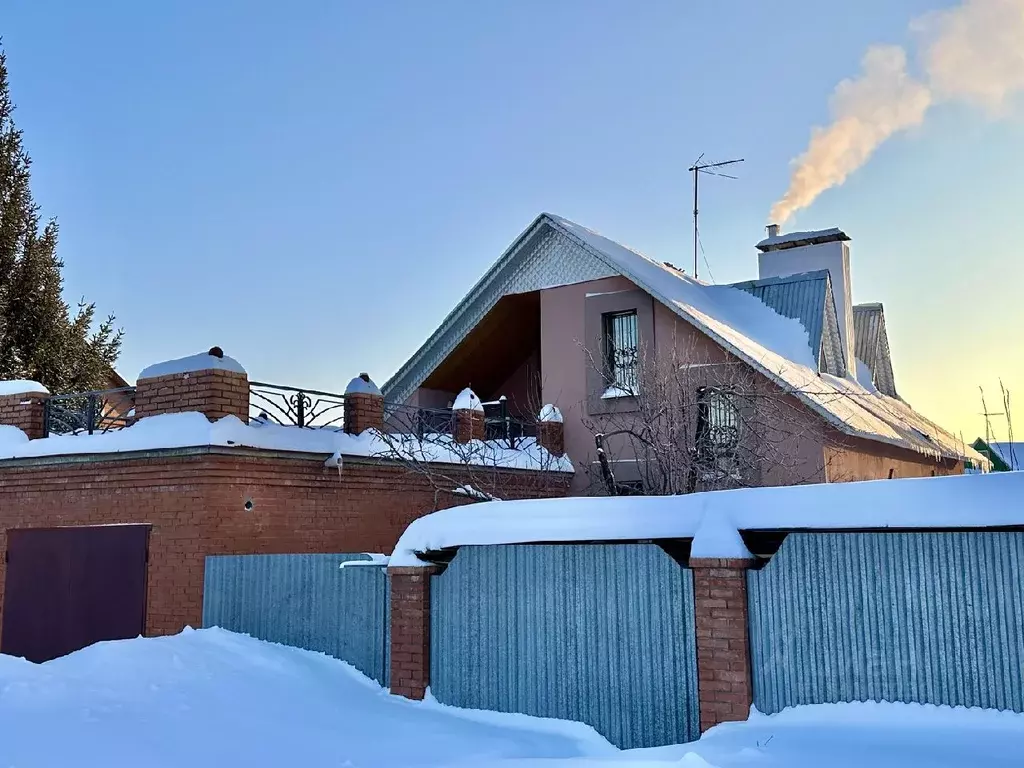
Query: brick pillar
[(24, 411), (469, 425), (220, 390), (364, 405), (410, 630), (551, 430), (723, 646)]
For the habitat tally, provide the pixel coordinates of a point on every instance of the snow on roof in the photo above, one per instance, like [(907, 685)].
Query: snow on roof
[(468, 401), (201, 362), (186, 430), (712, 519), (362, 385), (21, 387), (1011, 453), (778, 347), (794, 239)]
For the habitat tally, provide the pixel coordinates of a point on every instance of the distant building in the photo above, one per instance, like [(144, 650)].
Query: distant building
[(1005, 457)]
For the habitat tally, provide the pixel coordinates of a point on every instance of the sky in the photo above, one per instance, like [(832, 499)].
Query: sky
[(313, 186)]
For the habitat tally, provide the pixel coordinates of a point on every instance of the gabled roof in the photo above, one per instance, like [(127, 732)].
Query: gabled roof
[(777, 346), (871, 346), (806, 297)]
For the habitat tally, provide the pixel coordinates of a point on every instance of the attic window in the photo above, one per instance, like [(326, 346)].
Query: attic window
[(621, 340)]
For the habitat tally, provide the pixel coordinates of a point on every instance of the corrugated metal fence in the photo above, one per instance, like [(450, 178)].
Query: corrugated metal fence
[(914, 617), (307, 601), (602, 634)]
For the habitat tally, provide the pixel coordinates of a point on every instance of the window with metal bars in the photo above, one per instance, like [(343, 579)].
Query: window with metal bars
[(718, 432), (621, 339)]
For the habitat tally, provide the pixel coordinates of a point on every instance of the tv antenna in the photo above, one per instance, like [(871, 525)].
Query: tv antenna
[(987, 413), (697, 169)]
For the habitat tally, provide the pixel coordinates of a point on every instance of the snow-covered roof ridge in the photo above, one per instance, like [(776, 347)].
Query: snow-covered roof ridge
[(204, 361), (22, 387), (713, 519), (776, 346)]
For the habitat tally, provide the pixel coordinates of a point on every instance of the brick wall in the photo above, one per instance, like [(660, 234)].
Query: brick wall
[(362, 412), (24, 411), (216, 393), (469, 425), (723, 648), (197, 506), (410, 630)]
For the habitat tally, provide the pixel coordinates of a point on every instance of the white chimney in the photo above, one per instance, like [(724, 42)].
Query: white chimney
[(784, 255)]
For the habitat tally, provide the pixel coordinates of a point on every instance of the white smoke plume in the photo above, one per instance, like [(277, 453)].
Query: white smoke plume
[(973, 52)]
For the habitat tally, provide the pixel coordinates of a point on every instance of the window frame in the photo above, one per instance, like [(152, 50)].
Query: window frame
[(621, 375), (719, 458)]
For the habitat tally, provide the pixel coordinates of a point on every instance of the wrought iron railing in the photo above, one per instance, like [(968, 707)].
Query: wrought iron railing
[(422, 422), (88, 412), (294, 406), (499, 426)]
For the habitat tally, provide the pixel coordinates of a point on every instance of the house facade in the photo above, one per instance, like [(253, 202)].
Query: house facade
[(667, 384)]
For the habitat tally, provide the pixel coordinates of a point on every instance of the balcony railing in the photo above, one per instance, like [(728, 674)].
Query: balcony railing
[(295, 407), (85, 413), (112, 409)]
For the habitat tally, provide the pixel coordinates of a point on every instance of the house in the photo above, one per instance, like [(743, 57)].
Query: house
[(1005, 457), (668, 384)]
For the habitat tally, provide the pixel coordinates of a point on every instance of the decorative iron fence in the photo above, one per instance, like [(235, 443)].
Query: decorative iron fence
[(422, 422), (292, 406), (88, 412), (500, 427)]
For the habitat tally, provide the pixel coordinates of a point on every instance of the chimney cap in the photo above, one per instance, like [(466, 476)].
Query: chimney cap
[(797, 239)]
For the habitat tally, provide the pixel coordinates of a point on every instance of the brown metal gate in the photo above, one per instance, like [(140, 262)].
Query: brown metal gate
[(67, 588)]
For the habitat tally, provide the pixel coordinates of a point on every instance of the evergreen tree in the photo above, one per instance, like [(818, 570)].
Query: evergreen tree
[(40, 339)]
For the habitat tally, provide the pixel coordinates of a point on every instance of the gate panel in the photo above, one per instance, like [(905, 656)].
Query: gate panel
[(67, 588), (306, 601), (936, 618), (602, 634)]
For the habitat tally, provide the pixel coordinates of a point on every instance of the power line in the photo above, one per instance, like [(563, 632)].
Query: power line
[(697, 169)]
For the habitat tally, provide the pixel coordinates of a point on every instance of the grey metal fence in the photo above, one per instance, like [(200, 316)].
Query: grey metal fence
[(306, 601), (936, 618), (602, 634)]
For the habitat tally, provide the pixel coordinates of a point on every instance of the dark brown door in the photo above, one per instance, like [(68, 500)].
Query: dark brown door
[(67, 588)]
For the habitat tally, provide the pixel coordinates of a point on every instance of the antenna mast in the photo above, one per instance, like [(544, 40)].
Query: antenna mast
[(986, 413), (697, 169)]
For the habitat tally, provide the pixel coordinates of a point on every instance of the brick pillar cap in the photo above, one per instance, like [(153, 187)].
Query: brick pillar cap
[(550, 414), (22, 387), (362, 385), (414, 570), (204, 361), (468, 401)]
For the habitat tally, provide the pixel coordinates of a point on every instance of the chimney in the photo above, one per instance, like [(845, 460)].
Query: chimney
[(797, 252)]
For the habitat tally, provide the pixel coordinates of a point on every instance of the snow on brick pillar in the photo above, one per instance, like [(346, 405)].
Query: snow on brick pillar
[(211, 383), (551, 430), (410, 630), (364, 405), (723, 646), (469, 417), (24, 410)]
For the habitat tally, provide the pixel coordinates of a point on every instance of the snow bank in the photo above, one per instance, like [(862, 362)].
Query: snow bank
[(468, 401), (201, 362), (1011, 453), (210, 698), (187, 430), (11, 436), (21, 387), (713, 519)]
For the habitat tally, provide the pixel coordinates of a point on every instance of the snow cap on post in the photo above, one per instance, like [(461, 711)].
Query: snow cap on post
[(551, 430), (469, 417), (468, 401), (210, 383), (21, 406), (364, 405)]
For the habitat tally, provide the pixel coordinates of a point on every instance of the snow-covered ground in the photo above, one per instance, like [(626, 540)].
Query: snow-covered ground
[(213, 698)]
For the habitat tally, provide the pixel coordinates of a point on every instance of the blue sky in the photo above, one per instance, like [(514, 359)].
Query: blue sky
[(314, 185)]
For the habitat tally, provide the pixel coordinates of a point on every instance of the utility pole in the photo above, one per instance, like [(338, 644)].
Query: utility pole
[(697, 169)]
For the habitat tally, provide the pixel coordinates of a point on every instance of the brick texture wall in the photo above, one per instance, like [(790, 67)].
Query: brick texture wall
[(362, 412), (723, 647), (216, 393), (410, 630), (196, 505), (469, 425), (24, 411)]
